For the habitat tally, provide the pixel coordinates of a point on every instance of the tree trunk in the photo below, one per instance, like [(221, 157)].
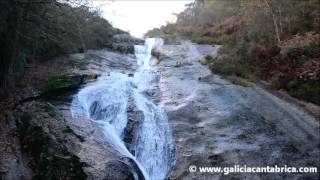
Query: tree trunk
[(274, 19), (9, 49), (280, 20)]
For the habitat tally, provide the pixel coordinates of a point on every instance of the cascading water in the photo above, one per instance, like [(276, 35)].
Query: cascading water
[(106, 101), (154, 147)]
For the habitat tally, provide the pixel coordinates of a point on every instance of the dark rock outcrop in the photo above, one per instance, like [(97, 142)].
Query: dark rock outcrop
[(124, 43), (61, 85), (125, 168), (135, 117)]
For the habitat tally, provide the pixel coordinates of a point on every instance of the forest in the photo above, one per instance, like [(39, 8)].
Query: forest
[(277, 41), (37, 30)]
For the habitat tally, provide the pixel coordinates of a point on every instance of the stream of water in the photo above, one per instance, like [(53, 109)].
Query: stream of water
[(105, 102)]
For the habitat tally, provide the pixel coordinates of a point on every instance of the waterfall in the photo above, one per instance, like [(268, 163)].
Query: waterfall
[(154, 147), (105, 102)]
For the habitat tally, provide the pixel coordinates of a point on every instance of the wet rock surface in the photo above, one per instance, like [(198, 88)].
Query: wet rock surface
[(216, 123), (103, 161), (77, 149), (135, 117)]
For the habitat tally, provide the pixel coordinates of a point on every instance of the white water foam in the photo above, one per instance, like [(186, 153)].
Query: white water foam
[(106, 101)]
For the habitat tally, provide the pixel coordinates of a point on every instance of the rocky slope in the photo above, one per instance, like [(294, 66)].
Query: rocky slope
[(214, 122), (40, 138)]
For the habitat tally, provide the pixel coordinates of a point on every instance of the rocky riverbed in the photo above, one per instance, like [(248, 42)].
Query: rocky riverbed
[(213, 122)]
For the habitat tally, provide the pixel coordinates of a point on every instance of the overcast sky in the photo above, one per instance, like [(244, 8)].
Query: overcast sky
[(139, 16)]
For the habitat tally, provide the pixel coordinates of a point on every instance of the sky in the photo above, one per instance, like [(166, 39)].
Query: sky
[(139, 16)]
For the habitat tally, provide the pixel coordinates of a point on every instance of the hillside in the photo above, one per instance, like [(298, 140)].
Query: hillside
[(35, 31), (274, 41)]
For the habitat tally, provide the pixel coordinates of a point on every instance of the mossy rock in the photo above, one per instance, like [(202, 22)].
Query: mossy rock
[(61, 84), (178, 64), (80, 63), (239, 81), (157, 54), (51, 160), (50, 109), (123, 47), (207, 60)]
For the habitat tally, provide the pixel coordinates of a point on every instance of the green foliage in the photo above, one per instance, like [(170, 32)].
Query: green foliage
[(306, 90), (168, 37), (38, 30), (123, 47), (233, 60), (313, 50), (65, 29), (274, 40), (203, 40)]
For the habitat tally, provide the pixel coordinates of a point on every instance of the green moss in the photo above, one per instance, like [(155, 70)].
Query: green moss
[(49, 108), (51, 160), (63, 82), (239, 81), (67, 130), (207, 60), (59, 85), (80, 64)]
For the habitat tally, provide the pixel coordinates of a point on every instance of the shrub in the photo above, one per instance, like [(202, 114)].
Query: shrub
[(233, 60), (306, 90)]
